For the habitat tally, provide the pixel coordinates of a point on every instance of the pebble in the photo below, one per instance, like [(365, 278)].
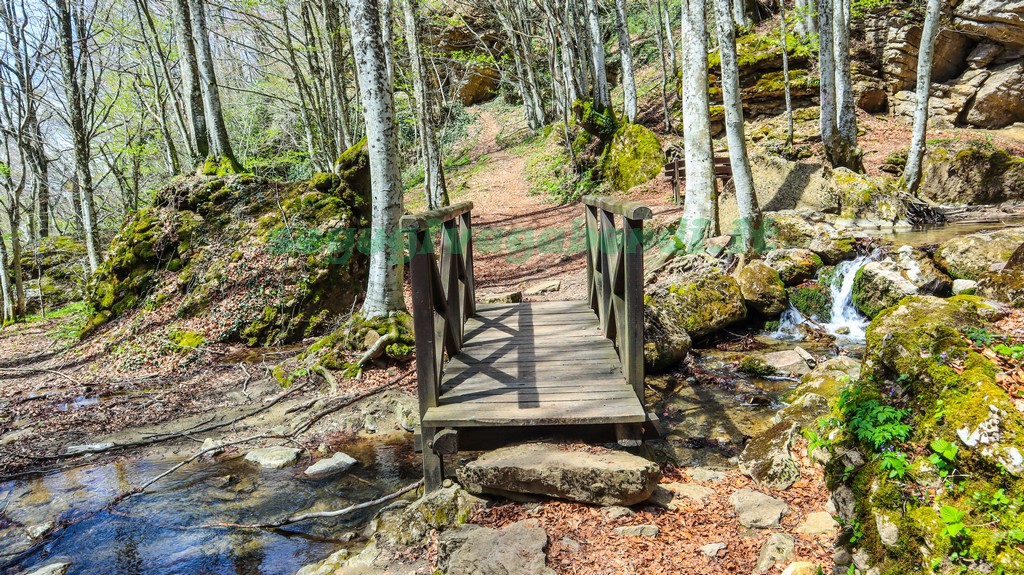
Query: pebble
[(712, 549), (638, 531)]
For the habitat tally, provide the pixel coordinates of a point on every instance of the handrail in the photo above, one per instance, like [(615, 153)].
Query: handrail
[(625, 208), (435, 217), (615, 278)]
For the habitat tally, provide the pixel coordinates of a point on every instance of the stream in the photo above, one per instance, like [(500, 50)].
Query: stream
[(162, 531)]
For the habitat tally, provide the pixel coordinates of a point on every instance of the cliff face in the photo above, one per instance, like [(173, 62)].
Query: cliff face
[(978, 72)]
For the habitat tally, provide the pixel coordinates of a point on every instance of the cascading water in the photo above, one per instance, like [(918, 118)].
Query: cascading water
[(846, 322)]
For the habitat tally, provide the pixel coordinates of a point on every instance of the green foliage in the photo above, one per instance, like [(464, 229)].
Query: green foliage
[(980, 336), (1014, 351), (954, 520), (895, 463), (943, 456), (870, 420)]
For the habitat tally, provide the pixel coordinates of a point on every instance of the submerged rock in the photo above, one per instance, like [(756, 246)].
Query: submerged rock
[(612, 478), (51, 569), (277, 457), (763, 291), (970, 257)]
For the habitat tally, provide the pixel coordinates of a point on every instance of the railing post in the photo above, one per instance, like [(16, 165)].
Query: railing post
[(470, 304), (421, 271), (633, 339), (593, 253)]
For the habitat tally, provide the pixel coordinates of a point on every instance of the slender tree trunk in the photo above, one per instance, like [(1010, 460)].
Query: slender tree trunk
[(751, 230), (915, 159), (805, 21), (220, 144), (602, 99), (845, 153), (384, 288), (189, 69), (741, 10), (68, 57), (17, 270), (151, 38), (671, 43), (659, 35), (785, 74), (827, 83), (42, 184), (700, 208), (433, 169), (385, 36), (5, 286), (628, 81)]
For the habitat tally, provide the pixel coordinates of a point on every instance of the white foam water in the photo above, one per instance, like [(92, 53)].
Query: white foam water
[(846, 323)]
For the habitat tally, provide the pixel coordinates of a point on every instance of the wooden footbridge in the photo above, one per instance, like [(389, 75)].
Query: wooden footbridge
[(559, 363)]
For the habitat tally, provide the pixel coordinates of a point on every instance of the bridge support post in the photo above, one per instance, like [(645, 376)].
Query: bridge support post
[(433, 462)]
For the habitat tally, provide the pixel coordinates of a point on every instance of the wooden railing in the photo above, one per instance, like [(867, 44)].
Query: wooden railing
[(442, 290), (615, 278)]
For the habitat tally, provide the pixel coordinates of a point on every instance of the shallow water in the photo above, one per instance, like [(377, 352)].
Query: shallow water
[(938, 233), (161, 532)]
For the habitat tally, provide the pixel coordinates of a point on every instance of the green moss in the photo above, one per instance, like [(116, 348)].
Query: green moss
[(633, 157), (187, 340), (600, 123), (812, 299), (755, 366), (704, 305)]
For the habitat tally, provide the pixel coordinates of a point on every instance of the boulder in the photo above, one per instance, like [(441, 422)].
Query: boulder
[(920, 269), (866, 201), (277, 457), (827, 379), (797, 229), (757, 510), (609, 478), (971, 256), (787, 361), (1001, 21), (701, 302), (407, 525), (1000, 101), (766, 458), (666, 342), (777, 548), (794, 265), (971, 172), (633, 157), (879, 285), (1006, 286), (762, 289), (473, 550), (805, 411), (335, 464)]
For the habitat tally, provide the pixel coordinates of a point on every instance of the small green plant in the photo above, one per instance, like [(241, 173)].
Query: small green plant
[(878, 424), (814, 441), (954, 520), (996, 504), (895, 462), (943, 456), (980, 336), (1014, 351), (856, 532)]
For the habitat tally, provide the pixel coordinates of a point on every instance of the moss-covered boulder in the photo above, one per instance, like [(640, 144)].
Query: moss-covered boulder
[(1006, 286), (54, 267), (827, 379), (666, 341), (633, 157), (971, 172), (867, 201), (879, 285), (812, 299), (261, 262), (762, 289), (794, 265), (803, 229), (701, 302), (971, 256)]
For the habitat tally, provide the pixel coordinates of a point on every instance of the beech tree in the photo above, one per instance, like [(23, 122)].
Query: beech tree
[(785, 73), (838, 116), (751, 230), (384, 288), (700, 208), (912, 171), (430, 153), (198, 136), (602, 98), (626, 54)]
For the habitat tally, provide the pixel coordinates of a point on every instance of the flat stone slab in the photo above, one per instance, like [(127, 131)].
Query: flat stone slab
[(609, 478), (638, 531), (757, 510), (332, 465), (274, 457), (543, 287), (517, 548), (818, 523)]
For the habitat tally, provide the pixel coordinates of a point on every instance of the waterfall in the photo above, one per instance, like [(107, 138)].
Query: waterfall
[(847, 323)]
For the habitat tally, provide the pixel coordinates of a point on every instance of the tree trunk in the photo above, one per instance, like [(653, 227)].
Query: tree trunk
[(384, 288), (14, 219), (220, 145), (805, 22), (915, 158), (69, 54), (385, 37), (188, 66), (700, 208), (742, 13), (5, 287), (628, 81), (827, 82), (750, 228), (785, 74), (659, 35), (602, 99), (433, 169), (845, 153)]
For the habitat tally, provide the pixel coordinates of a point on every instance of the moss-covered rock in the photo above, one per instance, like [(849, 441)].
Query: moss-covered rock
[(868, 201), (54, 267), (666, 342), (633, 157), (702, 303), (812, 299), (971, 256), (971, 172), (600, 123), (794, 265), (762, 289), (755, 366), (269, 263), (798, 229), (827, 379), (879, 285), (1006, 286)]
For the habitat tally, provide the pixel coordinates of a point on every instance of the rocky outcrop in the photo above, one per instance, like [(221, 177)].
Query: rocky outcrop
[(1000, 21), (971, 256), (54, 268), (803, 229), (762, 289), (794, 265), (971, 172), (1000, 100), (608, 478), (633, 156)]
